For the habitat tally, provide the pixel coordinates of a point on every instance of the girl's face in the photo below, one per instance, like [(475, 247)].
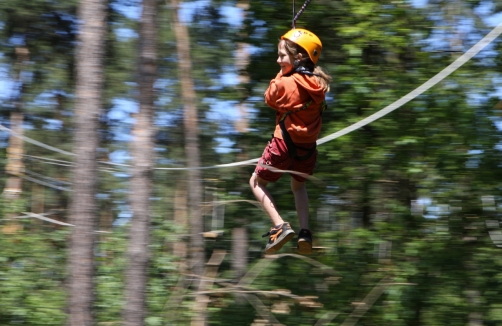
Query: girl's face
[(285, 60)]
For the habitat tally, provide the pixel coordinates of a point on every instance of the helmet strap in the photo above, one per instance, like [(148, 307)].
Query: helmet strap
[(304, 70), (297, 68)]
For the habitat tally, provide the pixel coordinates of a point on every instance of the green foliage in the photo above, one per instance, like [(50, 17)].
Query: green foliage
[(406, 210), (32, 278)]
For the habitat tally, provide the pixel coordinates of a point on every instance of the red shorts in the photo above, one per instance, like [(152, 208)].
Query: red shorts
[(276, 155)]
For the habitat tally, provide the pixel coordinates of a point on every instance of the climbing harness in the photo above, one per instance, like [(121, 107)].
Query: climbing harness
[(292, 148), (297, 15)]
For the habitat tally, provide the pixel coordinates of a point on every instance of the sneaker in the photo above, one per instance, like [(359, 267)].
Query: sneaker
[(278, 236), (305, 242)]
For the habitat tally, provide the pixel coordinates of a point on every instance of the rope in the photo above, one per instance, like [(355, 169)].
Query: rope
[(47, 160), (490, 37), (44, 218), (35, 142), (48, 179), (294, 11), (50, 220), (421, 89), (218, 166), (302, 9), (63, 163), (43, 183)]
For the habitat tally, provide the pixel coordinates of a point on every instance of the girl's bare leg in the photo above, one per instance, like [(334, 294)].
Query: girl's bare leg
[(301, 202), (259, 188)]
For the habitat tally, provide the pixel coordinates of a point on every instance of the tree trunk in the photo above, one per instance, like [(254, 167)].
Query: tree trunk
[(89, 79), (180, 219), (240, 243), (240, 247), (15, 166), (242, 59), (191, 143), (191, 153), (142, 167)]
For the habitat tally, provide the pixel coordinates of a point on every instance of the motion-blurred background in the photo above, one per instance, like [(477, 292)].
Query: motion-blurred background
[(405, 211)]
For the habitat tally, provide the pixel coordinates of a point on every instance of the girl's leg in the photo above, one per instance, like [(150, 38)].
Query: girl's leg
[(302, 209), (259, 188), (301, 202)]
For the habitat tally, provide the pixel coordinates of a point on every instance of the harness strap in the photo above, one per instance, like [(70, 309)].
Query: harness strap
[(292, 148)]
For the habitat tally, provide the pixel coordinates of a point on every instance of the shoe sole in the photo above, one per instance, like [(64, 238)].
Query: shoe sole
[(304, 248), (281, 242)]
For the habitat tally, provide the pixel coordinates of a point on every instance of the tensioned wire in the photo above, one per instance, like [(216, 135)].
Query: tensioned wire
[(478, 47), (421, 89), (490, 37), (35, 142)]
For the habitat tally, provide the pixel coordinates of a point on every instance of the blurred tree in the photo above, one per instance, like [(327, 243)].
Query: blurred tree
[(29, 31), (15, 151), (408, 208), (140, 190), (240, 243), (15, 167), (83, 210), (192, 155), (242, 58)]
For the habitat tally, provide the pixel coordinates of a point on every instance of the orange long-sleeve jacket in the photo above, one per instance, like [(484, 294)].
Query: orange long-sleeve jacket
[(290, 93)]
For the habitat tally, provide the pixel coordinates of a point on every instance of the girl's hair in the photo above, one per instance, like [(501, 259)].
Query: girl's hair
[(322, 77)]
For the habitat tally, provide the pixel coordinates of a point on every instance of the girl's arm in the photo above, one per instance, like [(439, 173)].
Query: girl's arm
[(282, 94)]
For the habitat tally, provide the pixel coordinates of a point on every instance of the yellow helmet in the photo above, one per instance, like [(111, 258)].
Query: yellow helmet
[(307, 40)]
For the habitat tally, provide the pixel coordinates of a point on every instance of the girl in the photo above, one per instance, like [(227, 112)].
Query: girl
[(297, 94)]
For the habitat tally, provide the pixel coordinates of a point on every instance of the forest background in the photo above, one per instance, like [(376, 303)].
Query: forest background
[(107, 219)]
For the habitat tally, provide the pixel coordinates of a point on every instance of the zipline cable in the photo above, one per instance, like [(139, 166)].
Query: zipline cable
[(47, 219), (35, 142), (47, 159), (490, 37), (293, 23), (40, 182), (302, 9), (421, 89)]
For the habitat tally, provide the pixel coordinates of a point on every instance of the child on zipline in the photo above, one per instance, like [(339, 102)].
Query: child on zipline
[(297, 94)]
